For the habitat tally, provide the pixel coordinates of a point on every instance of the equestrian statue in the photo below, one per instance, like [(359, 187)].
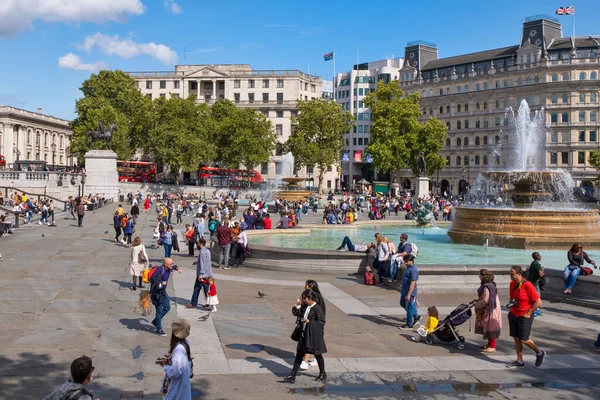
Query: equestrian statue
[(102, 134)]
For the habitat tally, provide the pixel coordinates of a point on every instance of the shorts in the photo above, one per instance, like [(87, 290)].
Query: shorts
[(520, 327)]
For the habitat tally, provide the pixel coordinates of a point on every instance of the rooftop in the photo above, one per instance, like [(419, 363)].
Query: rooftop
[(471, 58), (7, 111)]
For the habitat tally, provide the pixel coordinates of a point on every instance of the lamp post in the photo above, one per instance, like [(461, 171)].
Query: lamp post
[(53, 146)]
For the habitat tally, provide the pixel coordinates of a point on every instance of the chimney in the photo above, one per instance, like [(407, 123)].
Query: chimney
[(39, 110)]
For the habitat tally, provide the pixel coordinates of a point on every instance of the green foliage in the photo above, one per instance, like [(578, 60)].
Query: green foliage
[(318, 137), (111, 96), (243, 136), (397, 137)]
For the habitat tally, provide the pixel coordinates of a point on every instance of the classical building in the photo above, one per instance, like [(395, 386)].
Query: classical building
[(471, 93), (272, 92), (350, 90), (28, 135)]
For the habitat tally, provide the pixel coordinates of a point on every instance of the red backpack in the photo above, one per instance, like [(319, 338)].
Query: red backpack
[(369, 278), (151, 272)]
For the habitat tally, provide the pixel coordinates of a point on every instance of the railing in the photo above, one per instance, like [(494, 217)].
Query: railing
[(61, 177), (8, 189), (157, 74), (15, 214)]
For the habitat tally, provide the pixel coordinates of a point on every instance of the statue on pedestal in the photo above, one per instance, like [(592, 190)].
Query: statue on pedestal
[(102, 134), (422, 169)]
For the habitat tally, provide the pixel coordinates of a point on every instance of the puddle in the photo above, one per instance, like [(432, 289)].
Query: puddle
[(250, 348), (137, 352)]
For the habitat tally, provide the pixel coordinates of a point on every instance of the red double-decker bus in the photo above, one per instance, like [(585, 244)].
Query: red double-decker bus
[(224, 177), (136, 171)]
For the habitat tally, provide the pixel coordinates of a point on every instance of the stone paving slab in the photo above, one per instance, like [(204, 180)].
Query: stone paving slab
[(57, 339)]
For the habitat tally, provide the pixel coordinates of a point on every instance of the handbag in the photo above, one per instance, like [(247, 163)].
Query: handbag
[(297, 332), (142, 257), (586, 271)]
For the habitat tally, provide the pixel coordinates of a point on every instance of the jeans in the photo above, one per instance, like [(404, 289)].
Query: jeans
[(199, 285), (79, 220), (570, 276), (411, 310), (168, 248), (299, 213), (191, 246), (179, 220), (162, 308), (380, 266), (394, 270), (347, 242), (224, 252), (117, 231)]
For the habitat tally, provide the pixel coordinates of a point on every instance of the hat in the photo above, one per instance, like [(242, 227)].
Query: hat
[(181, 328)]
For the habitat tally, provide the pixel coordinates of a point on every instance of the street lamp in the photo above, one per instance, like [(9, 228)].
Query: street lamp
[(53, 146)]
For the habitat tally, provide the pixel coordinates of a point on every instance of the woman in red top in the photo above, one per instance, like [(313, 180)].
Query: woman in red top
[(147, 205), (524, 300), (268, 222)]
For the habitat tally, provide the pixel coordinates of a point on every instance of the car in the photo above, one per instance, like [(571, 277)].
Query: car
[(167, 181), (191, 182)]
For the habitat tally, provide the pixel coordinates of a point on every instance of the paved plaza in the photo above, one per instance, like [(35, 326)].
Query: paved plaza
[(65, 292)]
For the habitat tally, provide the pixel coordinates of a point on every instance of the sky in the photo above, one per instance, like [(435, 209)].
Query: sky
[(49, 47)]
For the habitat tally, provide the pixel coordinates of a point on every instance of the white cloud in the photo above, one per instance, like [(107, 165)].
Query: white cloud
[(72, 61), (19, 15), (127, 48), (171, 5)]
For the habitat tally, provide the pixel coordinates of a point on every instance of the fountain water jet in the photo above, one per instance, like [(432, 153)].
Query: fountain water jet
[(528, 224)]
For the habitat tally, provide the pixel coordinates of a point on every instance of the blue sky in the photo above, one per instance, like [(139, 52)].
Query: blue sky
[(49, 47)]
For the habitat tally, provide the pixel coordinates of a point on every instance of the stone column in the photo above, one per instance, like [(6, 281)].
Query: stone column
[(7, 143), (21, 140), (198, 90), (214, 91)]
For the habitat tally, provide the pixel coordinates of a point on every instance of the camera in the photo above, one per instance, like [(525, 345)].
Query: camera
[(511, 304)]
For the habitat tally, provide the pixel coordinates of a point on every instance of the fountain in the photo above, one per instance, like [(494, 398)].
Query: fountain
[(292, 189), (531, 222)]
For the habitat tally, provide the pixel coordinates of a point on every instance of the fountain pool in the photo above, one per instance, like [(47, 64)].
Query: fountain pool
[(435, 246)]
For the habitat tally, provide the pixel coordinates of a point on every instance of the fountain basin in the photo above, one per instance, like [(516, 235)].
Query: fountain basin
[(526, 228)]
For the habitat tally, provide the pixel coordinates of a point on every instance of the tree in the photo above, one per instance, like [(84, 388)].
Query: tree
[(244, 136), (319, 134), (112, 96), (180, 136), (397, 136)]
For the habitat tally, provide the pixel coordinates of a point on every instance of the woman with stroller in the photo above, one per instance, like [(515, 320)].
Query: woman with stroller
[(488, 311)]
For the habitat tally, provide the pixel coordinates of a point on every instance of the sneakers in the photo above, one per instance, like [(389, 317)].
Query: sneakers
[(190, 305), (313, 362), (227, 267), (539, 358), (405, 327), (303, 365), (417, 319), (516, 364), (160, 332)]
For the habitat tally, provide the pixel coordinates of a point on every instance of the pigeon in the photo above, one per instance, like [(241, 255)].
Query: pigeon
[(261, 294), (43, 235), (204, 317), (105, 232)]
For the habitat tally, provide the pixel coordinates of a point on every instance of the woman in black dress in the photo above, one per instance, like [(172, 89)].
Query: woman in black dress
[(314, 286), (312, 318)]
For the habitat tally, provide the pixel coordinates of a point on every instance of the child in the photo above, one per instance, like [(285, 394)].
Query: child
[(432, 323), (212, 300)]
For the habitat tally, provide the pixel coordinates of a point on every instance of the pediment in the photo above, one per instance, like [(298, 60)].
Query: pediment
[(528, 48), (207, 72), (408, 68)]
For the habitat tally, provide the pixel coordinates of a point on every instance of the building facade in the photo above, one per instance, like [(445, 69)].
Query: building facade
[(351, 89), (28, 135), (472, 93), (273, 92)]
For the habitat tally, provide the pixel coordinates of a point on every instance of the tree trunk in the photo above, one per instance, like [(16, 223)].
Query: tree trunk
[(320, 179)]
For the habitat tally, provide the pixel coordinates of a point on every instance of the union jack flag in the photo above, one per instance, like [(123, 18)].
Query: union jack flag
[(565, 10)]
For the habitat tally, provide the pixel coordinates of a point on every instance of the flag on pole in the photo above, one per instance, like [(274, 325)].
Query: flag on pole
[(328, 56), (566, 10)]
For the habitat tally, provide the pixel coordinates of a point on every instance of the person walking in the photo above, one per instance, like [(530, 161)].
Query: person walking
[(135, 212), (128, 230), (80, 214), (524, 300), (167, 240), (190, 238), (488, 311), (203, 270), (158, 292), (311, 284), (77, 386), (178, 365), (408, 293), (147, 204), (576, 257), (224, 241), (212, 300), (139, 261), (311, 320)]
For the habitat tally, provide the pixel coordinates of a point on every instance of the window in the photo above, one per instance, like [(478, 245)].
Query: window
[(367, 116), (528, 81), (175, 95), (565, 76), (593, 76), (466, 88), (458, 125), (582, 97), (279, 83), (360, 91), (497, 121), (279, 114), (485, 123), (465, 160), (553, 157), (536, 79), (251, 98), (354, 141), (477, 141), (582, 116), (360, 141), (175, 84), (441, 109), (466, 107), (505, 83), (497, 160), (485, 86), (466, 124), (564, 137), (505, 104), (162, 84), (148, 84), (477, 86), (278, 149), (447, 142), (582, 76), (458, 107), (279, 130), (355, 91), (565, 117), (554, 118), (236, 97), (564, 157), (477, 160), (265, 97), (466, 141), (162, 95), (458, 159), (448, 125), (279, 98), (553, 137), (485, 160), (554, 99), (582, 136), (497, 139), (360, 117), (236, 84), (477, 123), (264, 168), (519, 81), (477, 106), (458, 142), (361, 128), (592, 97), (265, 83), (593, 136), (424, 111), (593, 116), (251, 83), (329, 184), (459, 89), (448, 109), (361, 104), (447, 160)]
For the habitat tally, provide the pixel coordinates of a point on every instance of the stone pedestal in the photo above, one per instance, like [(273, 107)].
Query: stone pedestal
[(422, 186), (101, 173), (395, 189)]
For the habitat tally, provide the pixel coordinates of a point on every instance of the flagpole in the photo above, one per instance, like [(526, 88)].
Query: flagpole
[(574, 28)]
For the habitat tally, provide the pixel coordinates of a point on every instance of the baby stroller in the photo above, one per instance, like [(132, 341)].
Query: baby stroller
[(446, 330)]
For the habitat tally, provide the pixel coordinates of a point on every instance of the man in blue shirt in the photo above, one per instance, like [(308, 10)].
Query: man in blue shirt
[(158, 292), (408, 294)]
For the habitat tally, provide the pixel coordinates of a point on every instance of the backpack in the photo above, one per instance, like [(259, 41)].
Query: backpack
[(414, 250), (369, 278), (212, 226), (123, 222), (151, 273)]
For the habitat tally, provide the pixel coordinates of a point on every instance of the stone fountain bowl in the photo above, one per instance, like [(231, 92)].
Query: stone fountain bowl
[(523, 179), (292, 192)]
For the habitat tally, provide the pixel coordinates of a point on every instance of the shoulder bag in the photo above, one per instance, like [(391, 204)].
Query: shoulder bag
[(142, 257), (297, 332)]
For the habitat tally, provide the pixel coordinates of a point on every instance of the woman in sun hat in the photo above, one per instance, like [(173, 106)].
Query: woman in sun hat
[(178, 364)]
